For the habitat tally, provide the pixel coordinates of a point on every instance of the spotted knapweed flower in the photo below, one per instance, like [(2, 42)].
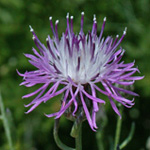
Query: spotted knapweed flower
[(79, 62)]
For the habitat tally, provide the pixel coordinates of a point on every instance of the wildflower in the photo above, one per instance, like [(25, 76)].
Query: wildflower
[(79, 62)]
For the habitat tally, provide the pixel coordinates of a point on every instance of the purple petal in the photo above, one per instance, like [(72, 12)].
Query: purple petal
[(114, 107), (86, 112), (35, 92), (33, 107), (125, 91)]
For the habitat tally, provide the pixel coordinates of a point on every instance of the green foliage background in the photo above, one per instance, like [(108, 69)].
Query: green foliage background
[(34, 131)]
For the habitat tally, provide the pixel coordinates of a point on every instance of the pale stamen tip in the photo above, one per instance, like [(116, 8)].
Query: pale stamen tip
[(117, 36), (104, 18), (94, 17), (33, 37), (57, 21), (95, 21), (31, 29), (82, 13), (47, 39), (71, 17), (67, 15), (50, 18), (125, 31)]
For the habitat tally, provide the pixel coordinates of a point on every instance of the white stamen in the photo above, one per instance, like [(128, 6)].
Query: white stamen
[(31, 29), (67, 15), (94, 17), (57, 21), (125, 31), (104, 18), (82, 13), (33, 37), (50, 18), (117, 36), (47, 39), (71, 17)]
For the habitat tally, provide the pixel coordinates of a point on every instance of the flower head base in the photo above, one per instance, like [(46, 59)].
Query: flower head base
[(77, 60)]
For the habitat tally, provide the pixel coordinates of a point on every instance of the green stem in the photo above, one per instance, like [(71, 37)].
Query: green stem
[(6, 124), (78, 138), (56, 137), (99, 137), (129, 138), (102, 120), (118, 129), (76, 132)]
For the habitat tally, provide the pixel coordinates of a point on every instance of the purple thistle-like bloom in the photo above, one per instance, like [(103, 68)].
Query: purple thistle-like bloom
[(78, 61)]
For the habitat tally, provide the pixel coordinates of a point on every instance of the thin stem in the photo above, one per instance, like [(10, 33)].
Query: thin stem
[(6, 124), (118, 129), (99, 137), (102, 121), (78, 138), (61, 145), (129, 138), (76, 132)]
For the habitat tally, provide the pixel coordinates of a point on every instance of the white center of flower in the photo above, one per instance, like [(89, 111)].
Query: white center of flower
[(80, 65)]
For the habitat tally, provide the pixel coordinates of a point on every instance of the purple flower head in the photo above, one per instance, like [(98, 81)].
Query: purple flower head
[(78, 61)]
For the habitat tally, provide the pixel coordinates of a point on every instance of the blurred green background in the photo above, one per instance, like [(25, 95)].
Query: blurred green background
[(34, 131)]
